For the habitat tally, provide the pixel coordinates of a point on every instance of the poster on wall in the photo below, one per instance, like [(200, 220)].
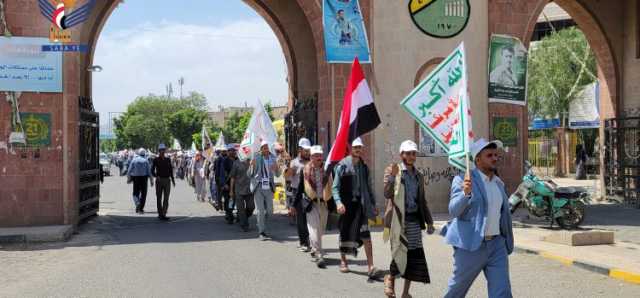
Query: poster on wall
[(24, 67), (507, 70), (505, 129), (37, 129), (427, 146), (440, 18), (345, 36), (584, 111)]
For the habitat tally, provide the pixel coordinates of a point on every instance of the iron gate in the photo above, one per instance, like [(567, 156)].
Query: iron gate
[(89, 150), (301, 122), (622, 159)]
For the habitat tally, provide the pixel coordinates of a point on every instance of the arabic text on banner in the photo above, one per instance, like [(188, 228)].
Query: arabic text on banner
[(345, 36), (440, 104), (24, 67)]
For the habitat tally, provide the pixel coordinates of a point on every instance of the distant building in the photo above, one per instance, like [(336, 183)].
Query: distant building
[(220, 116), (552, 17)]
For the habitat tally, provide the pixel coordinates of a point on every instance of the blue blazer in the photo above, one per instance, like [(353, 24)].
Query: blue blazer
[(466, 229)]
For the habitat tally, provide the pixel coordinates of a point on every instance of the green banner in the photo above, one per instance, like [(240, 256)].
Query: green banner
[(505, 129), (507, 70), (37, 129)]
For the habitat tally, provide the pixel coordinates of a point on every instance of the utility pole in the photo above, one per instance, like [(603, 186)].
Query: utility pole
[(181, 83), (170, 90)]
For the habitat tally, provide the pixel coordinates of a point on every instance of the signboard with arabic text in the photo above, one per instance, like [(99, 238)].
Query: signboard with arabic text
[(24, 67), (440, 104)]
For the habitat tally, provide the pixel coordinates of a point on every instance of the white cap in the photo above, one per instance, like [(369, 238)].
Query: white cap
[(304, 143), (480, 144), (317, 149), (408, 146), (264, 142), (142, 152), (357, 142)]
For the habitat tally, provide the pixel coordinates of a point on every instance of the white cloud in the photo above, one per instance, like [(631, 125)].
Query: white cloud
[(230, 64)]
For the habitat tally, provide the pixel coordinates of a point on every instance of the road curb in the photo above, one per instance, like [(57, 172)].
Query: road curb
[(628, 276)]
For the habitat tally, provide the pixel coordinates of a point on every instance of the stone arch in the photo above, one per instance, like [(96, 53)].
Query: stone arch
[(288, 20), (600, 44)]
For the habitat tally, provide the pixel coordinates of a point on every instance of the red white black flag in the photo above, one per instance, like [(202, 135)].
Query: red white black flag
[(359, 115)]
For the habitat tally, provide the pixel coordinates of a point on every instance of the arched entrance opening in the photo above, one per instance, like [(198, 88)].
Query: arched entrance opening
[(501, 21), (290, 24)]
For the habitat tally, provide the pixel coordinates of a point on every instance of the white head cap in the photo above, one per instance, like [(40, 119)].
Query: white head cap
[(480, 144), (316, 150), (142, 152), (304, 143), (264, 142), (357, 142), (408, 146)]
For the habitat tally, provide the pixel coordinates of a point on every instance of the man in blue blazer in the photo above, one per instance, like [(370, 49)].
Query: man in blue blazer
[(480, 231)]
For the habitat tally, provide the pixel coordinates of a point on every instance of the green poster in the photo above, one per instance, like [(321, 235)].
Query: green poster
[(37, 129), (505, 129), (507, 70)]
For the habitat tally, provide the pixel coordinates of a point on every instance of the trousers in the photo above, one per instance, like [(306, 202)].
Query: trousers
[(246, 206), (301, 223), (264, 204), (163, 189), (492, 258), (140, 190), (317, 224)]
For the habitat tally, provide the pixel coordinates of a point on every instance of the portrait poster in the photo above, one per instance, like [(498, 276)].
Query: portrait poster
[(345, 36), (507, 70)]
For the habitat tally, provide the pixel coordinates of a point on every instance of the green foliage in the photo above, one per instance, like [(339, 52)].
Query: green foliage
[(556, 72), (183, 123), (151, 120), (108, 146)]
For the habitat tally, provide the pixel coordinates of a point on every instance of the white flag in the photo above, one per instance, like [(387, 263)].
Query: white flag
[(440, 104), (220, 143), (260, 128)]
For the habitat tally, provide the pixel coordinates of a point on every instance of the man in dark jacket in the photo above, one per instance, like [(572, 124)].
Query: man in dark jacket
[(222, 168), (356, 204)]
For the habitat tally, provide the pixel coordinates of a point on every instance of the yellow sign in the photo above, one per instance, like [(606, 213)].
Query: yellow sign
[(416, 5), (37, 128)]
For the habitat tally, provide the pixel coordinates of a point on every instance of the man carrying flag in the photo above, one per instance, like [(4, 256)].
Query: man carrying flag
[(352, 189), (480, 230)]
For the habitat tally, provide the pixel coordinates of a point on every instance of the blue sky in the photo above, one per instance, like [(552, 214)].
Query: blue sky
[(220, 47)]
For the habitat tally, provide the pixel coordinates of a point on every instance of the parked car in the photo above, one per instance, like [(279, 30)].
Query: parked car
[(105, 163)]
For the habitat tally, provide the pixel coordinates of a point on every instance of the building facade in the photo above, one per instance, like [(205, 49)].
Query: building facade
[(43, 186)]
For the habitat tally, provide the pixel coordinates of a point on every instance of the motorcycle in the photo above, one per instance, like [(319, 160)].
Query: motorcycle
[(543, 198)]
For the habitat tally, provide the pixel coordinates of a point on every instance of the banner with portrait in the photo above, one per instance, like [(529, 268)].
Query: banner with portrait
[(507, 70), (345, 36)]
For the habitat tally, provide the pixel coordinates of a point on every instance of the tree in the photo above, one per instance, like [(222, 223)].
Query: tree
[(183, 123), (151, 120), (559, 66), (235, 126), (108, 145)]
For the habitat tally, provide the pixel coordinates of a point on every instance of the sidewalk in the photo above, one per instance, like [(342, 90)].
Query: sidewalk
[(620, 260)]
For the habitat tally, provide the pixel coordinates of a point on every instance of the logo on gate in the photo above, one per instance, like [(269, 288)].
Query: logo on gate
[(63, 14), (440, 18)]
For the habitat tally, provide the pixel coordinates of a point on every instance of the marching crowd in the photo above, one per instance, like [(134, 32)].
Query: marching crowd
[(480, 230)]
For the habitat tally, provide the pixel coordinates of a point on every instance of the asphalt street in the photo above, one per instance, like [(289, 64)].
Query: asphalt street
[(196, 254)]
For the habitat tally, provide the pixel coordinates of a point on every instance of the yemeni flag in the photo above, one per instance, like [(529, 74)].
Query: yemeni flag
[(359, 115)]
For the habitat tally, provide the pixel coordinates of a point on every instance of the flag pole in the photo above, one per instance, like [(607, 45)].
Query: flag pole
[(468, 172)]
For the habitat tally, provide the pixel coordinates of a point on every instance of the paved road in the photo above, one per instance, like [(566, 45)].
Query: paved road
[(121, 254)]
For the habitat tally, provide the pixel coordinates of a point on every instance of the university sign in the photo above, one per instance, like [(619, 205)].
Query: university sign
[(63, 15), (440, 18)]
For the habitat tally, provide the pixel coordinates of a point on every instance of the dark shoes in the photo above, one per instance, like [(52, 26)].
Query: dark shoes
[(164, 218)]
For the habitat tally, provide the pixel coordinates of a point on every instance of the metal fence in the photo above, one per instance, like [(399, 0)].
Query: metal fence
[(622, 159), (89, 178)]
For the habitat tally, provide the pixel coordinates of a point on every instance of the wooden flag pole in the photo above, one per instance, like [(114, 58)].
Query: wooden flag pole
[(467, 175)]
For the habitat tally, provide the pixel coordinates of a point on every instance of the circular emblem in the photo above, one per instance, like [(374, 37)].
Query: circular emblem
[(505, 130), (440, 18)]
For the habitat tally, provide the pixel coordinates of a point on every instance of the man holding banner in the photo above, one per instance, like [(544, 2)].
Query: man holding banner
[(480, 231)]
